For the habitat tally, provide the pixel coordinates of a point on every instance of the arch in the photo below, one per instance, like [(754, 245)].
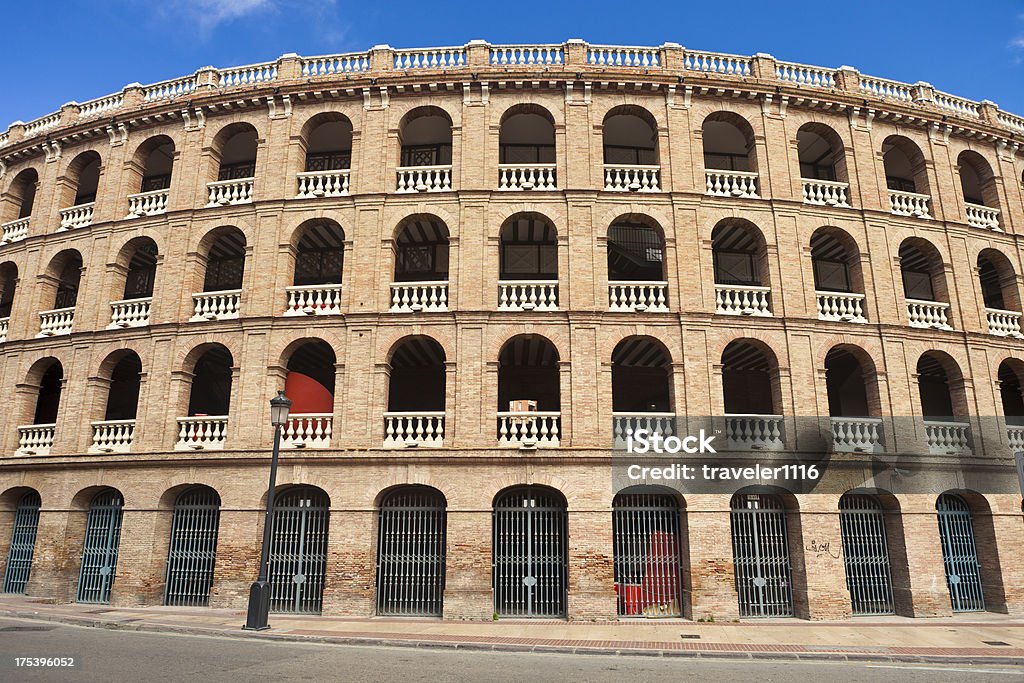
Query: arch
[(319, 255), (974, 580), (851, 382), (417, 375), (46, 381), (761, 543), (750, 378), (411, 546), (100, 548), (821, 153), (81, 180), (222, 252), (740, 253), (941, 387), (8, 287), (24, 503), (636, 249), (526, 135), (836, 261), (153, 163), (977, 180), (421, 243), (326, 140), (729, 142), (19, 200), (310, 380), (904, 165), (630, 136), (923, 271), (1010, 378), (122, 371), (528, 245), (998, 281), (211, 367), (192, 549), (866, 556), (234, 151), (641, 376), (137, 261), (528, 371), (425, 137), (300, 530)]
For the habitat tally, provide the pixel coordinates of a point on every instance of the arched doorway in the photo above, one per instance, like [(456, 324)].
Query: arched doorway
[(102, 540), (411, 552), (23, 543), (866, 554), (760, 546), (959, 554), (193, 547), (646, 539), (298, 550)]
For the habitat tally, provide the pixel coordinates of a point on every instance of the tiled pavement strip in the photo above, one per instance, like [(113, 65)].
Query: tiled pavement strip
[(947, 639)]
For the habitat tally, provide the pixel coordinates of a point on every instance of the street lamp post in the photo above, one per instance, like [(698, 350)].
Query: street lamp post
[(259, 592)]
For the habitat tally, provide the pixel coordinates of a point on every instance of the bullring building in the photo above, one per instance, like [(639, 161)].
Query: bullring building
[(474, 268)]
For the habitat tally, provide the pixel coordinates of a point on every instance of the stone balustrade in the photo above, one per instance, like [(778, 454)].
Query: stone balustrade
[(1015, 438), (55, 322), (14, 231), (947, 438), (846, 307), (928, 314), (805, 74), (227, 192), (252, 74), (35, 439), (413, 429), (743, 300), (638, 296), (625, 425), (632, 178), (307, 430), (148, 203), (78, 216), (528, 295), (413, 297), (112, 436), (130, 313), (222, 305), (717, 63), (909, 204), (314, 300), (754, 432), (42, 124), (526, 177), (333, 183), (857, 434), (329, 65), (825, 192), (529, 429), (202, 432), (982, 216), (101, 105), (424, 179), (526, 55), (5, 324), (957, 105), (731, 184), (886, 89), (1003, 323), (429, 58), (611, 55), (170, 89)]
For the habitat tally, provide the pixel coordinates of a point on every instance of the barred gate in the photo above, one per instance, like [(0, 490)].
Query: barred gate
[(645, 538), (23, 543), (411, 553), (865, 554), (959, 555), (298, 550), (530, 553), (99, 554), (193, 547), (760, 548)]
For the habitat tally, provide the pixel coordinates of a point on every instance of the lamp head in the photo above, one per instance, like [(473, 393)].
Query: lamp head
[(279, 407)]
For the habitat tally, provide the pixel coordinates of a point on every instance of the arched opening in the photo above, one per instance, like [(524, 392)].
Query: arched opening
[(310, 384), (529, 393), (18, 203), (157, 161), (298, 550), (641, 377), (327, 142), (100, 549), (115, 432), (51, 386), (862, 526), (192, 551), (648, 535), (223, 270), (853, 400), (981, 196), (1011, 394), (39, 406), (210, 393), (761, 555), (319, 263), (23, 542), (234, 152), (751, 396), (906, 177), (999, 293), (740, 257), (960, 553), (838, 280), (84, 176), (8, 286), (526, 149), (943, 404), (411, 544), (821, 153), (630, 137), (530, 541), (528, 276), (425, 136), (636, 250), (416, 394), (730, 156), (924, 284), (421, 265), (64, 275), (137, 261)]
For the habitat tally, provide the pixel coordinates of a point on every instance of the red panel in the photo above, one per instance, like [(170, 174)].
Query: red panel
[(308, 395)]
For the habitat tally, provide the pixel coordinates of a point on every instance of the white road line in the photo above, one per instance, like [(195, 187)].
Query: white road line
[(947, 668)]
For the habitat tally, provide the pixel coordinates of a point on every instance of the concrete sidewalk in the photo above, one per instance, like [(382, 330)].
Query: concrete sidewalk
[(978, 638)]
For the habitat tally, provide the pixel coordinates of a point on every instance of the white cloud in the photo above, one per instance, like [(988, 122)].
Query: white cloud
[(209, 14), (1018, 42)]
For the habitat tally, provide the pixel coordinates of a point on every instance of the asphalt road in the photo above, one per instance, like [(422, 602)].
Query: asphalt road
[(112, 656)]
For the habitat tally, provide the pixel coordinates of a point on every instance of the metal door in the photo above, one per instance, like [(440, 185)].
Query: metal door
[(298, 550), (865, 554), (411, 553), (99, 554), (646, 546), (23, 543), (193, 547), (530, 553), (959, 555), (760, 548)]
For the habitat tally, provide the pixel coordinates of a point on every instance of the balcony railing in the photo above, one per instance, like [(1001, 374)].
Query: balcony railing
[(35, 439), (424, 179), (413, 297), (928, 314), (526, 177), (148, 203), (226, 192), (743, 300), (731, 183), (947, 438), (216, 305), (982, 216), (57, 321), (308, 430), (1003, 323), (754, 432), (909, 204), (5, 324), (314, 300), (408, 430), (625, 425), (1015, 438), (112, 436), (14, 230), (632, 178), (528, 295), (324, 183), (638, 296), (844, 307), (529, 429), (825, 192), (857, 434), (206, 432), (77, 216), (130, 313)]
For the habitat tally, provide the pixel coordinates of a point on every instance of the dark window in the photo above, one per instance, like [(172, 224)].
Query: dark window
[(319, 266), (156, 182), (735, 268), (526, 154), (329, 161), (635, 252), (813, 171), (243, 169), (7, 298), (622, 154), (67, 288), (422, 262), (224, 274), (426, 155), (900, 184), (918, 285), (725, 161), (831, 276), (529, 260)]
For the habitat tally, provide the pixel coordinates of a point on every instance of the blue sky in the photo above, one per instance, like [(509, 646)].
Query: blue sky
[(89, 48)]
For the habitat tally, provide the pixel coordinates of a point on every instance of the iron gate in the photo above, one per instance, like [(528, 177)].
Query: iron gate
[(959, 555), (865, 554), (99, 554), (23, 543), (760, 548), (193, 547), (298, 550), (530, 553), (411, 553), (645, 537)]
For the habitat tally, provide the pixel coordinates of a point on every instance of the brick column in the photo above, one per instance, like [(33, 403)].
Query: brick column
[(711, 573), (591, 571), (239, 539), (351, 562), (467, 593)]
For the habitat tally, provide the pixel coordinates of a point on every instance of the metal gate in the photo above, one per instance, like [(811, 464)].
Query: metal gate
[(411, 553), (865, 554), (99, 555), (298, 550), (193, 547), (530, 553), (23, 543), (959, 555), (760, 549), (645, 538)]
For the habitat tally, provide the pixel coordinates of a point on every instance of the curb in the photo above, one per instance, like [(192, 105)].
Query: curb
[(865, 657)]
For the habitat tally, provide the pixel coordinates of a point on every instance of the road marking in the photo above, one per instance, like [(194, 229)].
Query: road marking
[(947, 668)]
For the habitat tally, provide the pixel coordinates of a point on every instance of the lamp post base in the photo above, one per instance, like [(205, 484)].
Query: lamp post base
[(259, 607)]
